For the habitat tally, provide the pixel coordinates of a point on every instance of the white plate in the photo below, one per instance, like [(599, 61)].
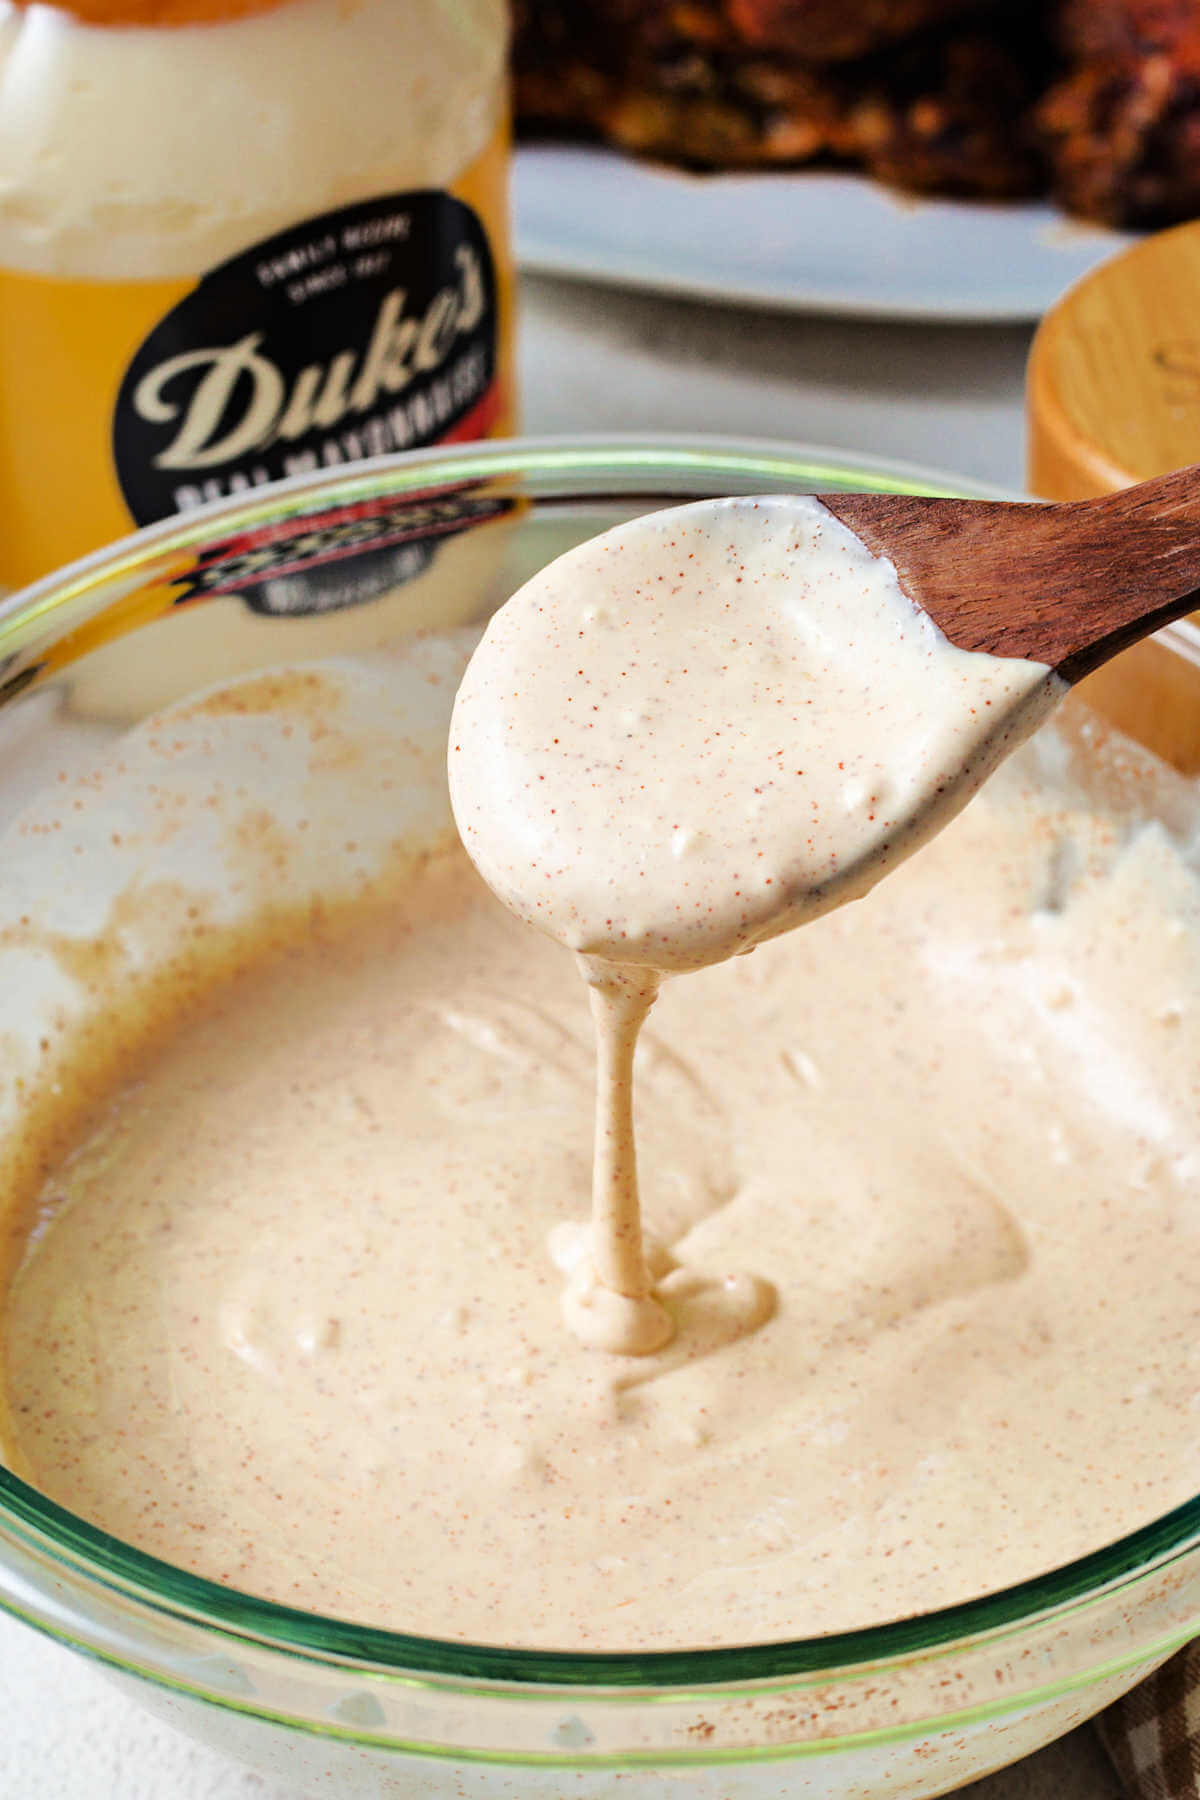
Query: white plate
[(813, 242)]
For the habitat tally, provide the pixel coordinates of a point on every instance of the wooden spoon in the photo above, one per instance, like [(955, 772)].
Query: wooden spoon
[(1067, 584)]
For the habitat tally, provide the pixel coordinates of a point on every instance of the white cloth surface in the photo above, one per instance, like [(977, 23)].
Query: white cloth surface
[(950, 397), (600, 360)]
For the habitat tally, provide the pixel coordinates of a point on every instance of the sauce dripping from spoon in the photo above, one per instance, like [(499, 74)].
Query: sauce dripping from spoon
[(709, 726)]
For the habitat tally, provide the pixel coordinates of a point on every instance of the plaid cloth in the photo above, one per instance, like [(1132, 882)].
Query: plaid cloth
[(1152, 1734)]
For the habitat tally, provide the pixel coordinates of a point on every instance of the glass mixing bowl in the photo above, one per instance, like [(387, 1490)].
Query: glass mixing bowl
[(346, 564)]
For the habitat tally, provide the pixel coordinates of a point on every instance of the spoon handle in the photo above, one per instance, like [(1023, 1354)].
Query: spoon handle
[(1068, 585)]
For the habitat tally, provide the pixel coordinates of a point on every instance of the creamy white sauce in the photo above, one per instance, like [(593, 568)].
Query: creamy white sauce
[(293, 1321), (919, 1207), (692, 733), (712, 724)]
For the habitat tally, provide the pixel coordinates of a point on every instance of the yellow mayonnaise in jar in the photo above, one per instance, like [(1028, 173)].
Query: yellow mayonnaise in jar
[(239, 240)]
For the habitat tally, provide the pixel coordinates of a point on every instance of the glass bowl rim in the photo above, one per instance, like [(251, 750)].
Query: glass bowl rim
[(90, 1553)]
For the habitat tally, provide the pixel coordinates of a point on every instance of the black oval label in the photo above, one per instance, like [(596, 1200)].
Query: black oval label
[(368, 330)]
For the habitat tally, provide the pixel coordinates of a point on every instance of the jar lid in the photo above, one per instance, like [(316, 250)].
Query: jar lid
[(1113, 386)]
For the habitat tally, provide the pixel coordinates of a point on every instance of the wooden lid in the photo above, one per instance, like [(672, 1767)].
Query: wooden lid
[(1113, 389)]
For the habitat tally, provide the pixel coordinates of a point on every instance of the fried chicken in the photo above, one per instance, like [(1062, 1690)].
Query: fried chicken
[(667, 81), (1122, 127), (682, 82), (1098, 100), (829, 31), (947, 114)]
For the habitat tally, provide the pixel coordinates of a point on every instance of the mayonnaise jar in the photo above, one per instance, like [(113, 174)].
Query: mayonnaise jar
[(267, 239)]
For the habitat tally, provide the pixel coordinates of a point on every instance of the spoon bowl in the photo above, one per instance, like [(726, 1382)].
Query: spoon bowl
[(713, 724), (719, 721)]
